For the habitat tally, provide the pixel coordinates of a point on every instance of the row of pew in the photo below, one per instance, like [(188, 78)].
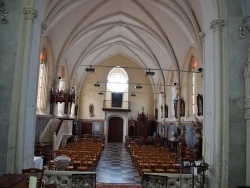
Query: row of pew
[(159, 159), (84, 154)]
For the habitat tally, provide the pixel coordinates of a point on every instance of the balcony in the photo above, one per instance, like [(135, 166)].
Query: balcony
[(113, 107)]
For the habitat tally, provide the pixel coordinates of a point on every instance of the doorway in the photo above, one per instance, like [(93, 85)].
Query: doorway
[(115, 130)]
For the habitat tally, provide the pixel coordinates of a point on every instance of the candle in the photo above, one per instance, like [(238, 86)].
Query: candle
[(203, 147), (32, 182)]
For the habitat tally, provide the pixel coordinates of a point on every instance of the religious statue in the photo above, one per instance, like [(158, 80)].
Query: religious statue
[(91, 109), (198, 144), (174, 136), (200, 104), (181, 134)]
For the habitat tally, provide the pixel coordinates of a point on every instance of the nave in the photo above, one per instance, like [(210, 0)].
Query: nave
[(115, 166)]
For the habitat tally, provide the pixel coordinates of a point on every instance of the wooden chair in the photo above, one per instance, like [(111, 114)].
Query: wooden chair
[(36, 172)]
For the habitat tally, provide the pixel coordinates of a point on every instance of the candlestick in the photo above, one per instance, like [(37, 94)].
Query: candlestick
[(32, 182)]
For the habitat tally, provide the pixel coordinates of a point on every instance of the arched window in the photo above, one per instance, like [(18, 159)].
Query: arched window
[(192, 85), (117, 87), (42, 83), (117, 82)]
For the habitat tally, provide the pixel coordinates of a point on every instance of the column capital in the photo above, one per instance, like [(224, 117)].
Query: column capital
[(217, 25), (247, 70), (247, 107), (30, 13), (43, 27), (202, 35)]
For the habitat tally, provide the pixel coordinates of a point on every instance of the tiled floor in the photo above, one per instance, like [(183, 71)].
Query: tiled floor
[(115, 166)]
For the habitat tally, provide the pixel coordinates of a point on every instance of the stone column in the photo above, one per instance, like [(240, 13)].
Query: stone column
[(25, 126), (217, 26), (247, 116)]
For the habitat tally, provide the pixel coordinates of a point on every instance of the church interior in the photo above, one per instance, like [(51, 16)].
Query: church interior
[(123, 91)]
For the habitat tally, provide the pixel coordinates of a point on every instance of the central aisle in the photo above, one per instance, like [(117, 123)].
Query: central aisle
[(115, 166)]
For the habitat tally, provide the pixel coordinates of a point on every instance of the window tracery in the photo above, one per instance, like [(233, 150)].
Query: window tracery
[(42, 83)]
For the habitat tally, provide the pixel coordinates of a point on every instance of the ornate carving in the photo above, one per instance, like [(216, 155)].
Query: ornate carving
[(202, 35), (43, 27), (247, 103), (247, 70), (30, 13), (247, 115), (217, 25), (62, 96), (247, 107)]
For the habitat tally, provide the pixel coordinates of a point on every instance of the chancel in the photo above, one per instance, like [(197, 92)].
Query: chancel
[(128, 91)]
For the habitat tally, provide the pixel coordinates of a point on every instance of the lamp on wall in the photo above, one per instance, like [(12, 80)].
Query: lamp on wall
[(100, 93), (3, 13), (149, 73), (90, 69)]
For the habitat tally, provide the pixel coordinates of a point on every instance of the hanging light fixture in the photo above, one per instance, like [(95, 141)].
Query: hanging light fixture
[(90, 69), (149, 73), (100, 93), (138, 86), (97, 84), (132, 94)]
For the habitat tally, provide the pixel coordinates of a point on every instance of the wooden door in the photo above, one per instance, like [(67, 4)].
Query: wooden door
[(115, 130)]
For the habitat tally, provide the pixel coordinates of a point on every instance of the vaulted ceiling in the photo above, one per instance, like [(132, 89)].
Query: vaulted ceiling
[(155, 34)]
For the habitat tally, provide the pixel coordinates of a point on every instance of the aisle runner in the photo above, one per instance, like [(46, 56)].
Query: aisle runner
[(117, 185)]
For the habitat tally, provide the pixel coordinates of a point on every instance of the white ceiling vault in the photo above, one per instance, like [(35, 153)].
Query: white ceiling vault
[(156, 34)]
